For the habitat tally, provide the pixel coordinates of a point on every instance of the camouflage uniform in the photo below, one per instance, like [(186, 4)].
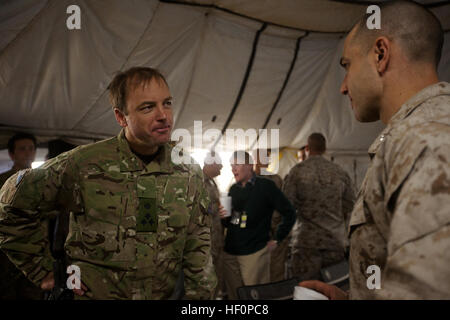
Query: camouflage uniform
[(132, 227), (279, 255), (217, 231), (5, 175), (13, 284), (401, 220), (323, 195)]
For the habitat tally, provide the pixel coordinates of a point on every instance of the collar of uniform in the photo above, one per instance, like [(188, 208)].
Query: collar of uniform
[(130, 162), (441, 88), (162, 162)]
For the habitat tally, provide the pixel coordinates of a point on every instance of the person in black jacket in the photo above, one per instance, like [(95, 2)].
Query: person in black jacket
[(248, 243)]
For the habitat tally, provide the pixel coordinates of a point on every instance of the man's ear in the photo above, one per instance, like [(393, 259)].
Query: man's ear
[(11, 156), (382, 54), (120, 118)]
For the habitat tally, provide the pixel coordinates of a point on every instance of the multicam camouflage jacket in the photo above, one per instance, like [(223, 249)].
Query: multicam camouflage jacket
[(133, 227), (401, 220)]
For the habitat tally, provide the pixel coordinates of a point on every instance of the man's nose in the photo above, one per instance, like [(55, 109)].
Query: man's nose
[(344, 89), (160, 113)]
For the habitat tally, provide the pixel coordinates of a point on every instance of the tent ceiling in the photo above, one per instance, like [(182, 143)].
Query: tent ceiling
[(53, 80)]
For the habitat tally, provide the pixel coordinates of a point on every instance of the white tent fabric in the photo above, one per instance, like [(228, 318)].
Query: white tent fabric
[(53, 81)]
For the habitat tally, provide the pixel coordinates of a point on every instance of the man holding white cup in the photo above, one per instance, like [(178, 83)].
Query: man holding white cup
[(247, 242)]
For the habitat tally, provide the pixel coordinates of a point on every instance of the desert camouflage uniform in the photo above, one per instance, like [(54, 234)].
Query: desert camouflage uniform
[(401, 220), (217, 232), (323, 195), (132, 227), (279, 255)]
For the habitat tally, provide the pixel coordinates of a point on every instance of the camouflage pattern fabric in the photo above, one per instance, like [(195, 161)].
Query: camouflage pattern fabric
[(401, 220), (307, 262), (115, 204), (323, 195), (13, 284), (217, 231)]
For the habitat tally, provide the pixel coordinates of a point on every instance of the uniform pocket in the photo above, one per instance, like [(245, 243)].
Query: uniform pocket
[(358, 216)]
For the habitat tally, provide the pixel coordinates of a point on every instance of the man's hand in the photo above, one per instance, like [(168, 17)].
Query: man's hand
[(272, 245), (332, 292), (48, 283), (222, 212)]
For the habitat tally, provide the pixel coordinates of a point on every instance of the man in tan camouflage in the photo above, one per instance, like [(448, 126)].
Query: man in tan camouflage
[(136, 218), (322, 192), (211, 169), (401, 219)]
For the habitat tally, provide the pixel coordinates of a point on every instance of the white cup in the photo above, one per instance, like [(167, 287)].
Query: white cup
[(302, 293), (225, 201)]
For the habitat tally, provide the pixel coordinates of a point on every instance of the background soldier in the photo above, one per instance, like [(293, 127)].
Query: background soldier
[(322, 193), (401, 219), (136, 218)]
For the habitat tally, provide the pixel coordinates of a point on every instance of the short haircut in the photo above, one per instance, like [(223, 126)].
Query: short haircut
[(20, 136), (241, 157), (317, 143), (123, 82), (416, 29)]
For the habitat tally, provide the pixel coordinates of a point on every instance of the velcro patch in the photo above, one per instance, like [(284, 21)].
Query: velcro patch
[(147, 220)]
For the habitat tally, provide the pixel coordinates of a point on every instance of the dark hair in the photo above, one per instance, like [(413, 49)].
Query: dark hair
[(317, 142), (20, 136), (412, 25), (124, 81), (242, 157)]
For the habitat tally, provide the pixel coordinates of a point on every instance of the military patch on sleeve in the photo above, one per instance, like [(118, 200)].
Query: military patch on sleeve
[(147, 220)]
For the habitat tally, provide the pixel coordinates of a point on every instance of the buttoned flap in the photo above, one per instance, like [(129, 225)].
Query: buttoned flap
[(146, 187), (358, 216)]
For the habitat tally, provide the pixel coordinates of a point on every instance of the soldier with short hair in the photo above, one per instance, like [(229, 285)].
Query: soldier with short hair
[(136, 218), (401, 220)]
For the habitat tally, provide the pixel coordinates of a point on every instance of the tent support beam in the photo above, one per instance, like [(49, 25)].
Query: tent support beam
[(286, 80), (244, 83)]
